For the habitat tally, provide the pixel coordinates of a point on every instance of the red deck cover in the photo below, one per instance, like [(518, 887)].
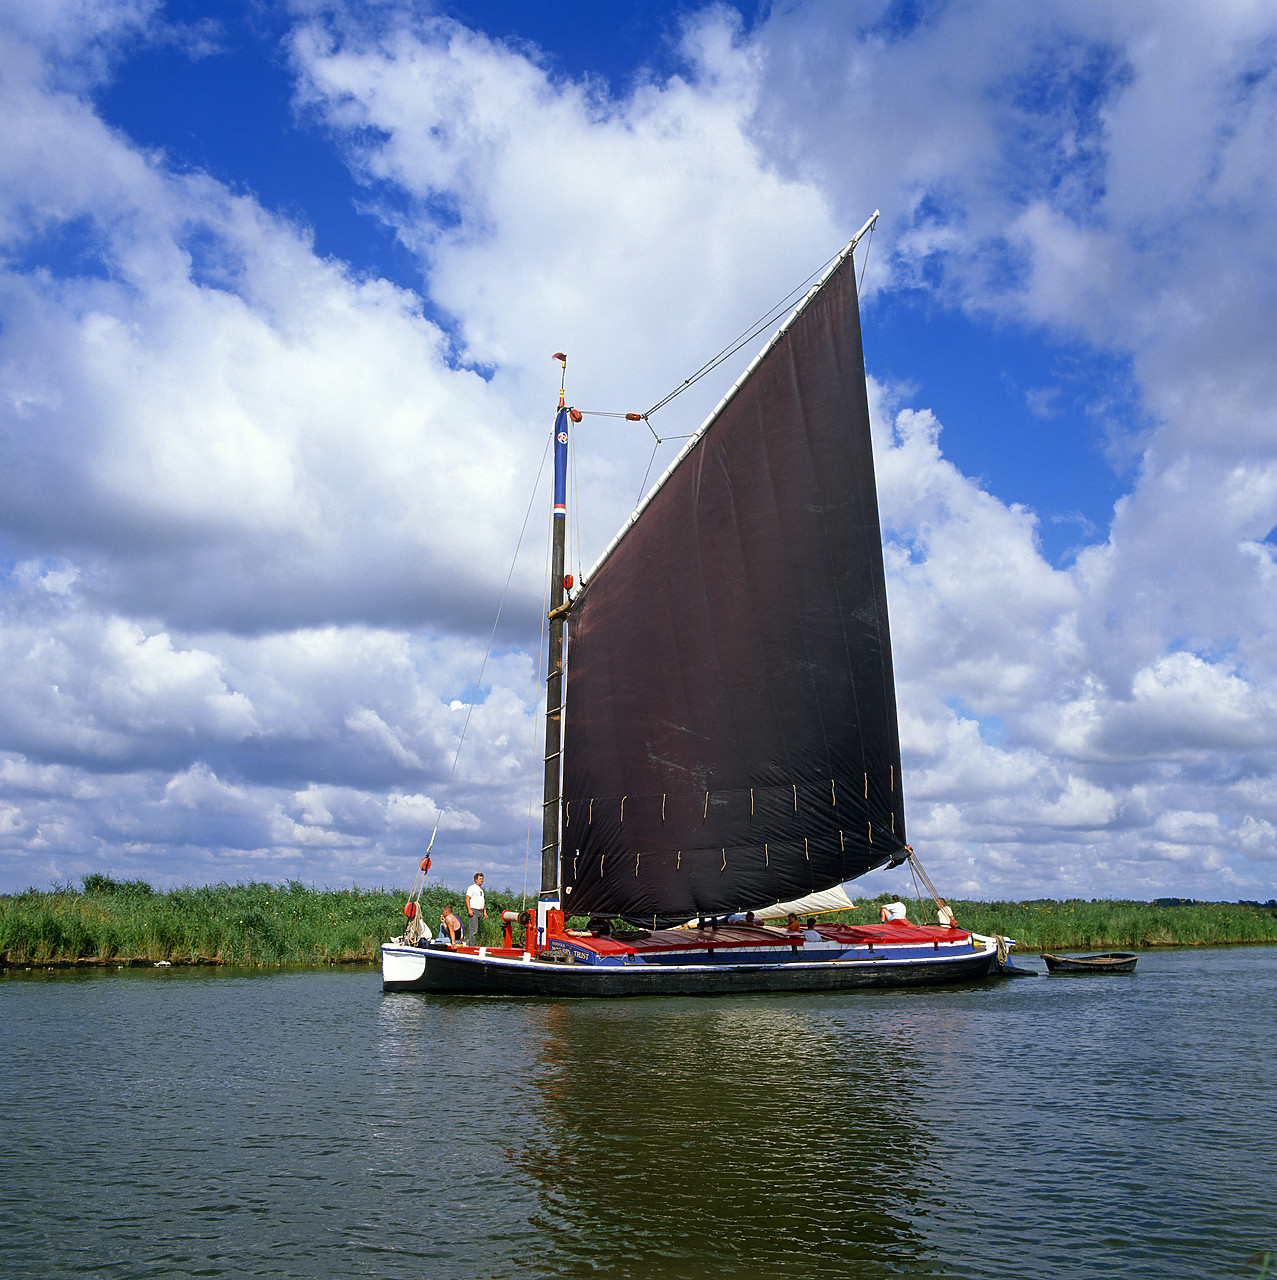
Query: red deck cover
[(667, 940), (892, 931)]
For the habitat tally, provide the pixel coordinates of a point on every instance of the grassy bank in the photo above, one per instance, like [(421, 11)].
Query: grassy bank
[(117, 922)]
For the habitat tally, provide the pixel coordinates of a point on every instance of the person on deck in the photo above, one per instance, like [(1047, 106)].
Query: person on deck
[(893, 910), (475, 909), (944, 915), (791, 923), (809, 933), (451, 924)]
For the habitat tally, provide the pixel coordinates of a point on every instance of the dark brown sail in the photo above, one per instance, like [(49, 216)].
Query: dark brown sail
[(730, 729)]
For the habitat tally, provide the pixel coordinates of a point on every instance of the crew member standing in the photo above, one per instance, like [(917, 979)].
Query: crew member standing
[(475, 908)]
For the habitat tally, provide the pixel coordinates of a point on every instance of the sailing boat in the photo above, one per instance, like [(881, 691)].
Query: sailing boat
[(729, 734)]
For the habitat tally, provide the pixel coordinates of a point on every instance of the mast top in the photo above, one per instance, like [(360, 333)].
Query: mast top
[(563, 376)]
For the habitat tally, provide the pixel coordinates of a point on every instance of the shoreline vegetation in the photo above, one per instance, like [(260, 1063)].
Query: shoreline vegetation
[(121, 923)]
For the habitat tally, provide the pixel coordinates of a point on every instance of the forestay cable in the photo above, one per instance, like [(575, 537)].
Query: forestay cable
[(488, 652)]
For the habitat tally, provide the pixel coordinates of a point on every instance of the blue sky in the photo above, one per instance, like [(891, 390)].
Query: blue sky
[(278, 286)]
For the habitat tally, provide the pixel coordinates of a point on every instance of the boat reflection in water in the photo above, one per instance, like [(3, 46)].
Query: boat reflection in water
[(734, 1138)]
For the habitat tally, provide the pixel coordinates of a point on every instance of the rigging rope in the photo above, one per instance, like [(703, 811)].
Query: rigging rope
[(537, 723), (865, 263), (919, 874), (1001, 944), (505, 591), (574, 525), (749, 335), (648, 472)]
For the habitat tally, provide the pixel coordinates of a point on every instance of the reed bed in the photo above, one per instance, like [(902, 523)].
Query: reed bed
[(1106, 924), (127, 921), (108, 922)]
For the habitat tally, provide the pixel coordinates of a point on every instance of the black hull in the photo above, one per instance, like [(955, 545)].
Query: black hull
[(453, 973)]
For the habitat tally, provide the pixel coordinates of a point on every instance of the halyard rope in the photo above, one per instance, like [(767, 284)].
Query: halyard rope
[(456, 755)]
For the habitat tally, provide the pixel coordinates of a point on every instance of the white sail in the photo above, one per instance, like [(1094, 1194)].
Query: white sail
[(834, 899)]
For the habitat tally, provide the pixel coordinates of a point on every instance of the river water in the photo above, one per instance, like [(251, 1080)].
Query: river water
[(172, 1122)]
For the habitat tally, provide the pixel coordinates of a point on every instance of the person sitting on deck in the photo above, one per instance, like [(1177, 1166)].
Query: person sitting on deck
[(809, 933), (792, 923), (893, 910), (944, 915), (450, 923)]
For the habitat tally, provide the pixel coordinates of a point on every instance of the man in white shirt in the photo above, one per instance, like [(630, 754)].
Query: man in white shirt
[(475, 909), (893, 910)]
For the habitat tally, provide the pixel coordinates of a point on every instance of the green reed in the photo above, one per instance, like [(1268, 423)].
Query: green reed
[(121, 921), (1101, 924)]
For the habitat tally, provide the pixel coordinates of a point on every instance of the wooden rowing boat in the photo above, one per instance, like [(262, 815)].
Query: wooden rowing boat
[(1110, 962)]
